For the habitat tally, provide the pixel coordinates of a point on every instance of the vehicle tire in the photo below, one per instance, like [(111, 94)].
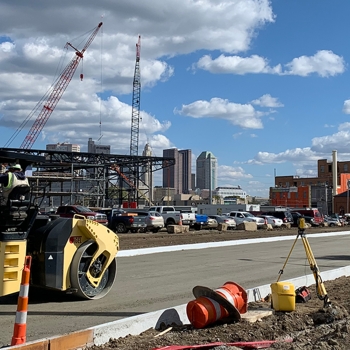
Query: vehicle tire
[(121, 228), (155, 230), (331, 224), (197, 227), (79, 269), (170, 222), (134, 230)]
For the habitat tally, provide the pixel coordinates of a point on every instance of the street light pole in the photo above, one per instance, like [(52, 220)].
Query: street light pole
[(347, 196)]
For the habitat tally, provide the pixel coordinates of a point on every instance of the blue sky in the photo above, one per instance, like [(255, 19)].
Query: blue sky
[(263, 85)]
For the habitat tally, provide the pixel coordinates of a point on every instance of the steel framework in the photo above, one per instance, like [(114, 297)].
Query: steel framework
[(102, 182)]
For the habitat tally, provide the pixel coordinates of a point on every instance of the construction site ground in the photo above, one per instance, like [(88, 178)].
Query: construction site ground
[(162, 238), (310, 326)]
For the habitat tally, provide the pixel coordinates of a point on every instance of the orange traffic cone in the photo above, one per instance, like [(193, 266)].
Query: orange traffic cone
[(180, 222), (228, 301), (20, 328), (265, 221)]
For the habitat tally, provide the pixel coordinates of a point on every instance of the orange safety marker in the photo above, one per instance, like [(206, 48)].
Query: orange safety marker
[(20, 328), (228, 301)]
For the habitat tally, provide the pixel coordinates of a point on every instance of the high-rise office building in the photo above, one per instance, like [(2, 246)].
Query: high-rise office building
[(207, 171), (64, 146), (186, 170), (178, 176), (93, 148)]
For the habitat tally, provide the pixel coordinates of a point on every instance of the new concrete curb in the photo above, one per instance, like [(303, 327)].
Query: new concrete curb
[(135, 325)]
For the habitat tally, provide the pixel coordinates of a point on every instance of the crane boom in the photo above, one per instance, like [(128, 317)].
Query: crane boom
[(57, 92), (135, 114)]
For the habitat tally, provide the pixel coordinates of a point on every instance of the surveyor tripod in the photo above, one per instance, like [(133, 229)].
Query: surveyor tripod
[(320, 288)]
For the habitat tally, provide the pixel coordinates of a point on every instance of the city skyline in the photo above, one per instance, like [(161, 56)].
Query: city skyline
[(233, 77)]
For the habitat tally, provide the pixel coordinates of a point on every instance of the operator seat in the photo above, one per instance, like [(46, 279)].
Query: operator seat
[(14, 212)]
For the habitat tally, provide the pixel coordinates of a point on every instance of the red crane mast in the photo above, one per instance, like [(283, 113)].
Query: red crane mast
[(57, 92)]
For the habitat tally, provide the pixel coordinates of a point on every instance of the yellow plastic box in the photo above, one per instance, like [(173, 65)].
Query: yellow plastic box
[(283, 296)]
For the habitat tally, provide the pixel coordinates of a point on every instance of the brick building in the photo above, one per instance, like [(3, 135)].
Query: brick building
[(298, 192)]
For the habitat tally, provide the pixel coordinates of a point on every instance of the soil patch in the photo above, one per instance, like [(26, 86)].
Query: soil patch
[(162, 238), (311, 326)]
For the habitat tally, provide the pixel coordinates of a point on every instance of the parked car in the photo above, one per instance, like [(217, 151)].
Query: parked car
[(68, 211), (308, 219), (332, 221), (123, 221), (314, 213), (285, 216), (342, 219), (241, 216), (154, 221), (210, 224), (223, 219), (272, 220)]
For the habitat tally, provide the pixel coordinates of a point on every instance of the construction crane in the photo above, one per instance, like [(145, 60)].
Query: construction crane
[(135, 114), (56, 93), (135, 123)]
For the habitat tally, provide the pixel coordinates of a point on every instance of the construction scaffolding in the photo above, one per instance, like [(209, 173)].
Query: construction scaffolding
[(90, 179)]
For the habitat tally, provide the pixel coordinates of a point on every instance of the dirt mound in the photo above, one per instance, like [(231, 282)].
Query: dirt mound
[(311, 326)]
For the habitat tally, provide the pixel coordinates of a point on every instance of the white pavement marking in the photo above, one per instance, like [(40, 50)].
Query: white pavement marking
[(174, 248)]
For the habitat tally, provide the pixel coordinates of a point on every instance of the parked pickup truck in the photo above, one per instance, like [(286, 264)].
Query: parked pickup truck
[(68, 211), (201, 220), (121, 221), (170, 215), (188, 217)]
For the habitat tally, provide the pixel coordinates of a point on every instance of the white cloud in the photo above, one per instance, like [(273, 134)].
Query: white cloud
[(346, 107), (324, 63), (244, 116), (339, 141), (6, 50), (267, 101), (236, 65), (237, 135), (296, 155), (232, 174)]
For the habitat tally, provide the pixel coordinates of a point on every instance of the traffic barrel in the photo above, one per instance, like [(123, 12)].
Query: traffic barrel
[(229, 301), (20, 328)]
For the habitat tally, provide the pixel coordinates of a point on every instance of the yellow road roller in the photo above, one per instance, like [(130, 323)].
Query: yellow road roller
[(73, 255)]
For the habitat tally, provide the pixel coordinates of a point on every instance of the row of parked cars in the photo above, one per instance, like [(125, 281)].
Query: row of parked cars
[(154, 219)]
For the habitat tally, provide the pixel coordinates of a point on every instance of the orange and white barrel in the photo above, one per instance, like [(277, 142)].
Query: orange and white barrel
[(204, 311)]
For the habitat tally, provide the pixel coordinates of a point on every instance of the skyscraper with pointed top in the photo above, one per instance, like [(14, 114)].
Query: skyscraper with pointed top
[(207, 171)]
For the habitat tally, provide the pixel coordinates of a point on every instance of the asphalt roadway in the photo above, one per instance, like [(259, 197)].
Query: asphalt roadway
[(157, 281)]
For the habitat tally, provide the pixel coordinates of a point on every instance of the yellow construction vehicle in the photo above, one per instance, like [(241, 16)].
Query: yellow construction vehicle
[(75, 255), (320, 288)]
